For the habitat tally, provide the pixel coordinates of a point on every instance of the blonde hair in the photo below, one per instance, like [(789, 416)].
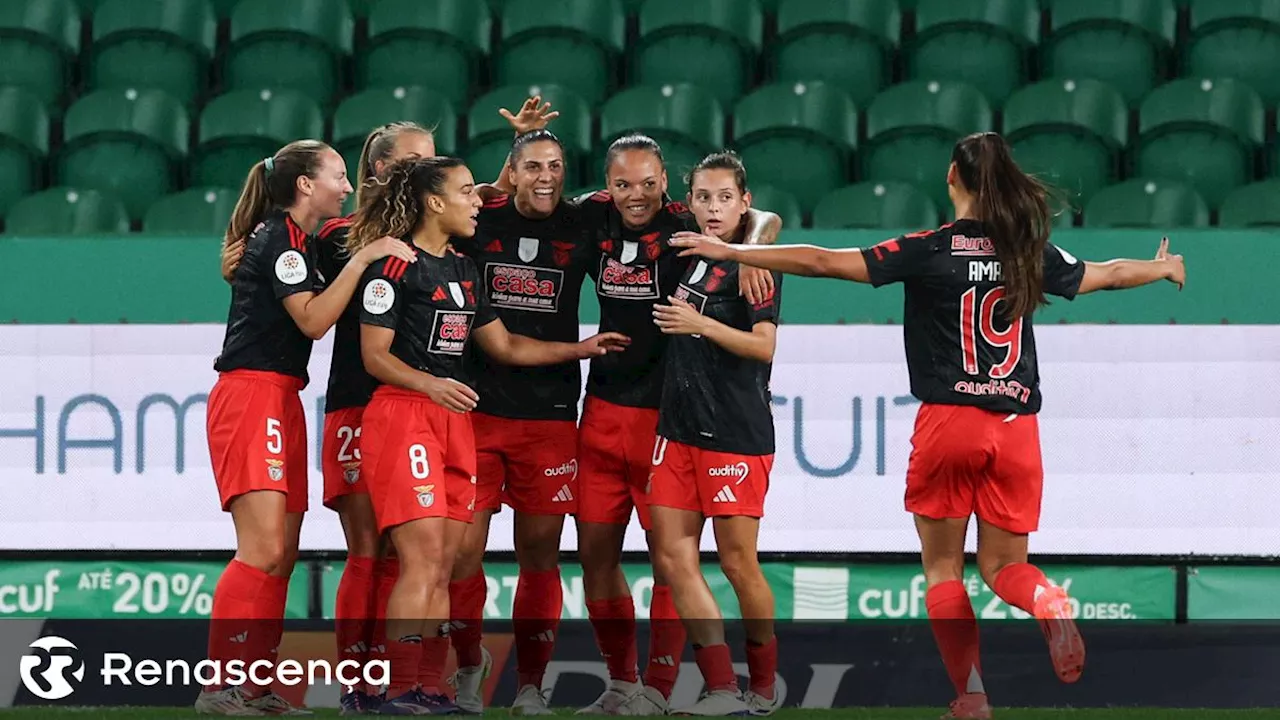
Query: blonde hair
[(379, 146), (393, 204)]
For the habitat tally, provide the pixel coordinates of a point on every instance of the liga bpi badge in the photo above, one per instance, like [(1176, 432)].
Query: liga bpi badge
[(426, 498), (351, 472), (275, 470)]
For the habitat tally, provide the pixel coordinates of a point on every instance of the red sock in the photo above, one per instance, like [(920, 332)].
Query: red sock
[(386, 572), (404, 656), (235, 606), (614, 623), (717, 667), (666, 642), (1016, 584), (536, 619), (956, 630), (264, 641), (466, 606), (353, 613), (435, 653), (762, 667)]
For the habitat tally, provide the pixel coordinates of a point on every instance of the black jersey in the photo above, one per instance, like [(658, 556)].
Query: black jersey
[(532, 270), (960, 348), (633, 270), (713, 399), (349, 385), (432, 304), (261, 335)]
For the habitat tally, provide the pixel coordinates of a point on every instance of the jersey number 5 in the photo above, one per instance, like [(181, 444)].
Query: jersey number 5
[(983, 316)]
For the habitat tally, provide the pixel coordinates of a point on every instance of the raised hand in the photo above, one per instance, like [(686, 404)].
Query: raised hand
[(533, 115), (1177, 269)]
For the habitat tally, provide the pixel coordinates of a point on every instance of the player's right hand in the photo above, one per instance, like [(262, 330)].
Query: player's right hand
[(533, 115), (386, 246), (451, 395), (1177, 269), (231, 254)]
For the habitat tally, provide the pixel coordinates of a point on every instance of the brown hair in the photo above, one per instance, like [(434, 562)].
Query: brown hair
[(393, 203), (273, 183), (524, 140), (379, 146), (1014, 209), (723, 160)]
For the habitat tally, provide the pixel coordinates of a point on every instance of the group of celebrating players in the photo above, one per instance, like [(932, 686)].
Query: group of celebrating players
[(454, 387)]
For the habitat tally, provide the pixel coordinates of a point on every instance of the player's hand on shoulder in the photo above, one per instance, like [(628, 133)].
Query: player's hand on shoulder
[(1177, 268), (232, 254), (755, 284), (450, 394), (698, 244), (533, 115), (386, 247), (603, 344), (678, 318)]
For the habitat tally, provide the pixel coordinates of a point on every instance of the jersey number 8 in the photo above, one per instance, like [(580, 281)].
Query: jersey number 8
[(983, 315)]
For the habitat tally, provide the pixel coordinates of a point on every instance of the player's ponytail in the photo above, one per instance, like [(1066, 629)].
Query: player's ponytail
[(1014, 208), (393, 203), (273, 182), (379, 147)]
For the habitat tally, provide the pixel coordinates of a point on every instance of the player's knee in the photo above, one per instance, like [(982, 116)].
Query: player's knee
[(740, 567), (990, 566), (469, 561), (266, 553), (944, 568)]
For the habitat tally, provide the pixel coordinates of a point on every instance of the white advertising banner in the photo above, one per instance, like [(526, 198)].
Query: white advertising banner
[(1156, 440)]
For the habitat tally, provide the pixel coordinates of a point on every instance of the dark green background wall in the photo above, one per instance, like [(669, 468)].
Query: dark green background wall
[(147, 279)]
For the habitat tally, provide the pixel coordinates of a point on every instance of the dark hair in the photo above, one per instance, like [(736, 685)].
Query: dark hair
[(634, 141), (379, 146), (1014, 209), (524, 140), (273, 183), (723, 160), (393, 202)]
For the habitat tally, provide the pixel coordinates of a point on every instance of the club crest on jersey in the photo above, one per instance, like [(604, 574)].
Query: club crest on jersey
[(698, 271), (275, 470), (351, 473), (291, 267), (455, 291), (426, 498), (630, 251), (528, 249)]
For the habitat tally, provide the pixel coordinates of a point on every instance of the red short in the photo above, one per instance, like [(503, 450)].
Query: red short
[(615, 453), (340, 455), (531, 465), (966, 460), (258, 436), (716, 484), (419, 459)]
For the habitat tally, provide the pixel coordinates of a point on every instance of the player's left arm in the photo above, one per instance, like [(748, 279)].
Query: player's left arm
[(1123, 274), (509, 348), (762, 228)]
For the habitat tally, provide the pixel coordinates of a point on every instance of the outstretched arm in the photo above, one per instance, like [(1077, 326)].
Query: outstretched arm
[(511, 349), (808, 260), (755, 283), (1124, 274)]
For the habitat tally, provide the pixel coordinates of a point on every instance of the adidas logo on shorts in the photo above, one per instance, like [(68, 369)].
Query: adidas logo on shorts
[(565, 494)]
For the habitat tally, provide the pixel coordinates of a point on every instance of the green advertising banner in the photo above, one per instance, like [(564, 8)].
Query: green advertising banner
[(1233, 593), (97, 590), (854, 592)]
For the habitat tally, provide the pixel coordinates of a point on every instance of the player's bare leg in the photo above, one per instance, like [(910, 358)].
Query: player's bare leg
[(435, 639), (955, 627), (420, 545), (737, 544), (468, 591), (612, 611), (538, 605), (355, 614), (1002, 558)]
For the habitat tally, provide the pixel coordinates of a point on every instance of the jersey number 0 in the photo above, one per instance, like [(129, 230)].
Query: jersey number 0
[(983, 316)]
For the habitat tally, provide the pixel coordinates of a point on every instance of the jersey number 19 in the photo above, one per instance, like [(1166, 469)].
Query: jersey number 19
[(983, 316)]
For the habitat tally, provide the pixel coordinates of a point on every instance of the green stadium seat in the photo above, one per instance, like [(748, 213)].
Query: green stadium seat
[(197, 211), (1204, 131), (240, 128), (362, 112), (1070, 133), (436, 44), (777, 201), (982, 42), (24, 143), (39, 40), (67, 211), (572, 126), (1122, 42), (295, 44), (800, 136), (912, 129), (862, 33), (687, 122), (361, 8), (875, 205), (157, 44), (1238, 40), (224, 8), (574, 43), (124, 142), (1254, 205), (710, 43), (1147, 203)]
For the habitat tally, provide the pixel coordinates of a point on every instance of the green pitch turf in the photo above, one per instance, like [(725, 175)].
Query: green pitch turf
[(83, 713)]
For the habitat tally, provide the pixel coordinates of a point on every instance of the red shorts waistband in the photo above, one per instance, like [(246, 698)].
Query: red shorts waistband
[(392, 392), (288, 382)]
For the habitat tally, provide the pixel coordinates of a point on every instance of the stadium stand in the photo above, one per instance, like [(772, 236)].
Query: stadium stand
[(1091, 94)]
